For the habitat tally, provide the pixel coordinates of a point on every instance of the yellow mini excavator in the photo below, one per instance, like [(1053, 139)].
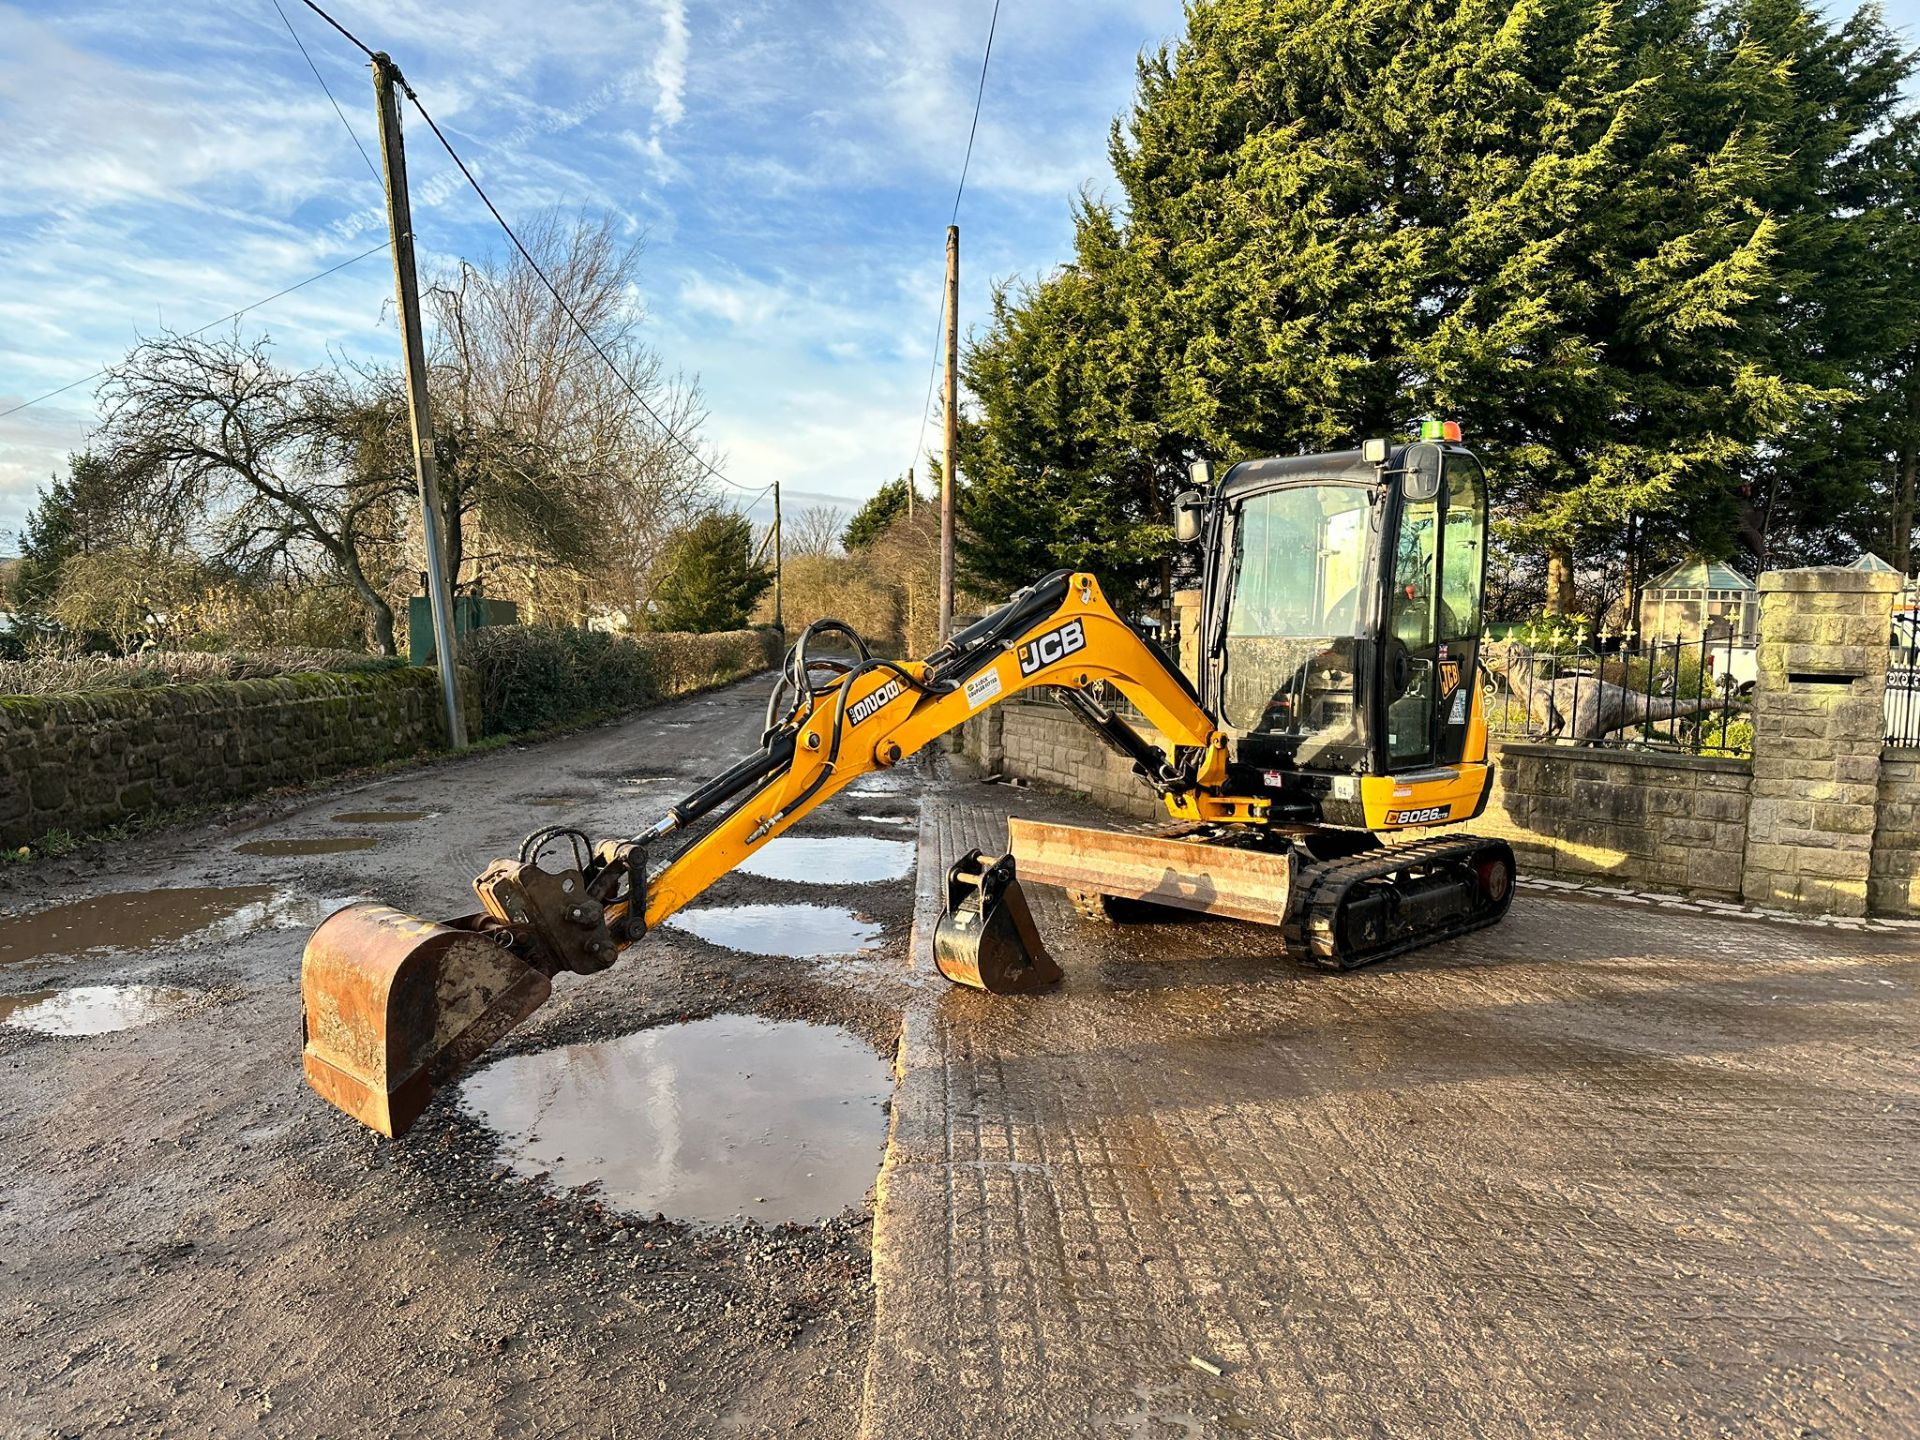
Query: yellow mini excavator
[(1336, 705)]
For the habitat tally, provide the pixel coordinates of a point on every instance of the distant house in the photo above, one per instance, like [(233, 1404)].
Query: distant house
[(1699, 599)]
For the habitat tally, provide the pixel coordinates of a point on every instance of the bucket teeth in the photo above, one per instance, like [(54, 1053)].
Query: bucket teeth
[(395, 1005), (986, 937)]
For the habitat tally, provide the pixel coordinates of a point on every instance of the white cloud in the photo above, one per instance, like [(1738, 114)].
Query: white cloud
[(670, 65)]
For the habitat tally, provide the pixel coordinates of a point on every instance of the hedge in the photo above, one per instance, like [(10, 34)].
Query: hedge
[(537, 677)]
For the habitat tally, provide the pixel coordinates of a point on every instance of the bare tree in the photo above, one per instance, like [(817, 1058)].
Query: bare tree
[(550, 457), (815, 531), (266, 471)]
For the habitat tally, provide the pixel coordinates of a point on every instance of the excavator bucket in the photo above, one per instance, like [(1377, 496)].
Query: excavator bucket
[(986, 937), (395, 1005)]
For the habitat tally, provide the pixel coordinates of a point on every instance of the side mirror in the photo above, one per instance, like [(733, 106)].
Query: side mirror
[(1420, 473), (1189, 508), (1200, 472)]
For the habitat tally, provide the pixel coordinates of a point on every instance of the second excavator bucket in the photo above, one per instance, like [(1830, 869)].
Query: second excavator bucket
[(986, 936), (395, 1005)]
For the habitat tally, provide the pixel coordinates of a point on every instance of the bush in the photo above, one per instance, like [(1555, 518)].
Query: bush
[(67, 674), (536, 677)]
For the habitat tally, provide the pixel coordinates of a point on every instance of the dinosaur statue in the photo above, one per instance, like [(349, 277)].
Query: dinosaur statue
[(1587, 706)]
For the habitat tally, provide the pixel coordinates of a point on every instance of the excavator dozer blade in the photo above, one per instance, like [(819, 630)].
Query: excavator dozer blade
[(395, 1005), (1226, 880), (986, 937)]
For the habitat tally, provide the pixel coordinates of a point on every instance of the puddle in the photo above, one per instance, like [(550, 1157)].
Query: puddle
[(706, 1122), (153, 919), (91, 1009), (831, 859), (378, 817), (799, 931), (645, 779), (127, 920), (326, 845), (558, 802), (901, 820)]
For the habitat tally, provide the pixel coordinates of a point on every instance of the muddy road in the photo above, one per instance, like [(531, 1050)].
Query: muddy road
[(591, 1239)]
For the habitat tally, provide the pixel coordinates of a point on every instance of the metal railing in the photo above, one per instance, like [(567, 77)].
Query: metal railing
[(1681, 696), (1902, 704)]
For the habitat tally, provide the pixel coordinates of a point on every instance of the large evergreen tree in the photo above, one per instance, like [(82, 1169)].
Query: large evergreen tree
[(1591, 233)]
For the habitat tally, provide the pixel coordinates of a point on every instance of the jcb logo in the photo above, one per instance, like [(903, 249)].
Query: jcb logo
[(863, 708), (1449, 677), (1052, 646)]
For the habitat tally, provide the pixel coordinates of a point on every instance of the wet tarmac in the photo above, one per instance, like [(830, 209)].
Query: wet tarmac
[(324, 845), (712, 1122), (799, 931), (379, 817), (124, 920), (831, 859), (91, 1009)]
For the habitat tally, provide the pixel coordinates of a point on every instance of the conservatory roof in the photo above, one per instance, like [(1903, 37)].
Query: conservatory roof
[(1698, 574), (1870, 561)]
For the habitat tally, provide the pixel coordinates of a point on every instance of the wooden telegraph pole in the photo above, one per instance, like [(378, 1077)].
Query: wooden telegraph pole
[(952, 437), (387, 82), (779, 621)]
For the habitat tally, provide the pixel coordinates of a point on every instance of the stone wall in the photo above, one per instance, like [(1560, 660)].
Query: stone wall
[(84, 761), (1642, 819)]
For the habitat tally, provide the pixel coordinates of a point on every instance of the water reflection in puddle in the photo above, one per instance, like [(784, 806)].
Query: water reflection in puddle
[(831, 859), (800, 931), (326, 845), (378, 817), (91, 1009), (707, 1122), (901, 820), (150, 919)]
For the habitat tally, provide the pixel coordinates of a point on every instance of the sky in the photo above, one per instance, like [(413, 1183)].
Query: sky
[(789, 170)]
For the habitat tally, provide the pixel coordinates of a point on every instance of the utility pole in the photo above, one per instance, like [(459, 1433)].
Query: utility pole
[(779, 623), (387, 82), (952, 438), (910, 487)]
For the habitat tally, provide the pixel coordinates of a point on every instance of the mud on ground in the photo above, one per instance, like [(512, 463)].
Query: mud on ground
[(190, 1243)]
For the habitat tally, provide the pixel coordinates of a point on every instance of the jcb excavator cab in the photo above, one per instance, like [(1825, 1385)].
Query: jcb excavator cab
[(1340, 626)]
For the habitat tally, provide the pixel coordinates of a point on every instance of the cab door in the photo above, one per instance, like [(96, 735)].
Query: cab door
[(1431, 626)]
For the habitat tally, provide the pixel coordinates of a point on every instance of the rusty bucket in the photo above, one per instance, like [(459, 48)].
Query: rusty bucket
[(395, 1005)]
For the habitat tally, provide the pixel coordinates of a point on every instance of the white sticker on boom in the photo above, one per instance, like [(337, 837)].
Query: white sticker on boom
[(1459, 716), (982, 688)]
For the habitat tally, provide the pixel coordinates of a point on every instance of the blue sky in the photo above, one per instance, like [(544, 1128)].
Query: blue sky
[(790, 167)]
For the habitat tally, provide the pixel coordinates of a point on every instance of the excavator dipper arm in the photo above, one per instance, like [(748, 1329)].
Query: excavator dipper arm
[(395, 1005)]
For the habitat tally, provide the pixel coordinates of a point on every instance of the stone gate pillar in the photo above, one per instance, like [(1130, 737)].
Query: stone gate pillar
[(1818, 728)]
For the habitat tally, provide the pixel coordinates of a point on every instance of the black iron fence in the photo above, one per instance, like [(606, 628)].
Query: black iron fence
[(1685, 696), (1903, 674)]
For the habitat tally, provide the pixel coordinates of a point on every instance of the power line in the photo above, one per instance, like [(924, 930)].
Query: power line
[(351, 135), (561, 300), (210, 325), (338, 26), (979, 93)]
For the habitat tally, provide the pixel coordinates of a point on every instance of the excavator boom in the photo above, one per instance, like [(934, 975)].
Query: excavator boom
[(396, 1005)]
